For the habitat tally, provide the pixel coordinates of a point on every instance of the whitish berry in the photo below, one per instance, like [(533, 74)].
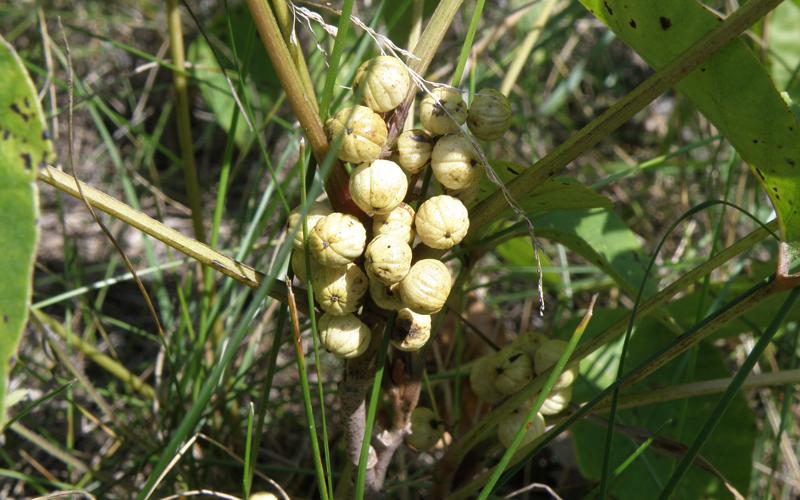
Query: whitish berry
[(414, 150), (363, 133), (547, 355), (337, 239), (426, 286), (387, 258), (529, 342), (411, 330), (482, 378), (514, 372), (386, 297), (316, 211), (444, 116), (398, 222), (299, 265), (454, 164), (345, 336), (378, 187), (385, 83), (510, 425), (426, 429), (557, 401), (489, 115), (442, 222), (339, 289)]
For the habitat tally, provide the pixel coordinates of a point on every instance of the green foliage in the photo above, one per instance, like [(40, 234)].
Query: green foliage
[(732, 89), (729, 449), (24, 146)]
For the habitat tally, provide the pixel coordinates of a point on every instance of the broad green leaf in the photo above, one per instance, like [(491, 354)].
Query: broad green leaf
[(217, 94), (729, 449), (24, 146), (732, 89), (603, 239), (784, 42), (561, 193)]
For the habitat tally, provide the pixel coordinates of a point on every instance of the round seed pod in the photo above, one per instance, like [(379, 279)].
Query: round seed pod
[(468, 195), (426, 429), (529, 342), (507, 428), (557, 401), (385, 81), (387, 258), (384, 296), (337, 239), (316, 211), (398, 222), (426, 286), (378, 187), (338, 290), (445, 116), (364, 133), (514, 372), (489, 115), (482, 378), (263, 495), (547, 355), (345, 336), (414, 150), (453, 163), (442, 222), (411, 330), (298, 263)]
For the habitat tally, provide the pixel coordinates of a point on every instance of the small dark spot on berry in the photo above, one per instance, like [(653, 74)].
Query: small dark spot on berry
[(514, 357)]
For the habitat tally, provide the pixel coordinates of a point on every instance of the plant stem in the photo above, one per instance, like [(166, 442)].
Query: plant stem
[(285, 22), (623, 110), (183, 119), (336, 55), (187, 246), (336, 185)]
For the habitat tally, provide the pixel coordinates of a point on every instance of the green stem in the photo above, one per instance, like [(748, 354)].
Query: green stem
[(466, 48), (336, 55), (183, 119)]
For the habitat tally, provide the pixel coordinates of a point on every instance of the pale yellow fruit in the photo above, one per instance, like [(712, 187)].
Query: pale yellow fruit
[(454, 164), (262, 495), (299, 266), (411, 330), (384, 296), (529, 342), (338, 290), (337, 239), (546, 356), (468, 195), (514, 372), (316, 211), (508, 427), (426, 286), (442, 222), (444, 116), (345, 336), (414, 150), (363, 133), (482, 378), (387, 258), (385, 83), (557, 401), (378, 187), (489, 115), (398, 222), (426, 429)]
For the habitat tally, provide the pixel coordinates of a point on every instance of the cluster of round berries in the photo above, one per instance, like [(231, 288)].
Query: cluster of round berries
[(507, 371), (394, 279)]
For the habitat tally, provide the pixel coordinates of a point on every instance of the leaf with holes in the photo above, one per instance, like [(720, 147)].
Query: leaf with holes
[(24, 146), (732, 89)]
